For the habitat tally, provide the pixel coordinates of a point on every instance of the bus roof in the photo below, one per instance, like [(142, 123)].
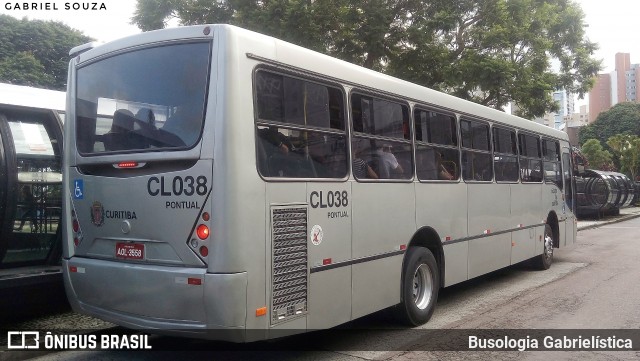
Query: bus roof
[(26, 96), (272, 49)]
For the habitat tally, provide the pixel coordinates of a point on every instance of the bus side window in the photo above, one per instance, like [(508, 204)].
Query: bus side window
[(505, 155), (300, 128), (477, 164), (384, 126), (530, 158), (437, 155), (551, 155)]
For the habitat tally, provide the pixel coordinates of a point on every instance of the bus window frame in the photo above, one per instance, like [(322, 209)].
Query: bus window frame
[(151, 45), (353, 134), (516, 154), (527, 158), (416, 143), (557, 161), (463, 149), (257, 122)]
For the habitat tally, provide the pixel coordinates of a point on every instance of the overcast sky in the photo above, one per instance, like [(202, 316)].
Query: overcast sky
[(611, 23), (102, 25)]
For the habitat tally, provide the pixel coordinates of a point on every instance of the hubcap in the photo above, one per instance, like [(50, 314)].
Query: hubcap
[(422, 286), (548, 246)]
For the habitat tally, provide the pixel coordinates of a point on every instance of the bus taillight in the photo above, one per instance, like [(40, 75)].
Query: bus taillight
[(202, 232), (128, 164), (75, 227), (204, 251)]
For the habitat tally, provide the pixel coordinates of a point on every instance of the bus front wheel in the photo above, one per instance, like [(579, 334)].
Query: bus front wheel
[(543, 261), (420, 285)]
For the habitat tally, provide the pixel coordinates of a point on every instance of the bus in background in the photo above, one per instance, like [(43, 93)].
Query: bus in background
[(30, 190), (224, 184)]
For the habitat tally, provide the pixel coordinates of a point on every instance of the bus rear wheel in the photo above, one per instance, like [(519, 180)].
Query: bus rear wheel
[(543, 261), (420, 286)]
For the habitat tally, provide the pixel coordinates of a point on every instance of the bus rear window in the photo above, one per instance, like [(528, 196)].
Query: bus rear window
[(143, 100)]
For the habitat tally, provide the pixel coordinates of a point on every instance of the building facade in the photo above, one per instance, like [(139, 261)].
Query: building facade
[(616, 87), (566, 105)]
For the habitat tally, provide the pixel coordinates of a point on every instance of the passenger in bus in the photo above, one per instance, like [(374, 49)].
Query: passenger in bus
[(387, 162), (443, 172), (146, 117), (180, 129), (117, 137), (432, 167), (30, 210), (145, 132), (277, 140), (277, 147), (361, 170)]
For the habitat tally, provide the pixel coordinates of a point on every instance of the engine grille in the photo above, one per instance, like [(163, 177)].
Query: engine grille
[(289, 266)]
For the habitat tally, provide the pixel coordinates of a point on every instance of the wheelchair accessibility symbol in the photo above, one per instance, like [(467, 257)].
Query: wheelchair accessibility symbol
[(78, 189)]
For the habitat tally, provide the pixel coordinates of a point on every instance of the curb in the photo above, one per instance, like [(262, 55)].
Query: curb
[(618, 219)]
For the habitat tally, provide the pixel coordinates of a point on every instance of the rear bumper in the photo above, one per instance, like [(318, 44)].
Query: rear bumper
[(159, 299)]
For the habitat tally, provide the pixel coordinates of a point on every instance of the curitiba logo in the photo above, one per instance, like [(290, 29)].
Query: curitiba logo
[(97, 214)]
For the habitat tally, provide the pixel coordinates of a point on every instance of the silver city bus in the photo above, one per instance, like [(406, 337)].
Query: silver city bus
[(219, 181)]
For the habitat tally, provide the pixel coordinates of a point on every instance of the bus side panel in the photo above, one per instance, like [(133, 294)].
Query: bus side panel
[(551, 201), (525, 205), (240, 218), (228, 310), (523, 214), (329, 232), (523, 245), (376, 285), (442, 206), (330, 298), (488, 204), (383, 217), (382, 222), (455, 265)]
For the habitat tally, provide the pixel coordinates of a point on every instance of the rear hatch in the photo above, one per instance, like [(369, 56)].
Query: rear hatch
[(138, 187)]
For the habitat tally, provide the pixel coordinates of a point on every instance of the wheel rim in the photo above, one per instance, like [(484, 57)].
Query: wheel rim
[(548, 246), (422, 286)]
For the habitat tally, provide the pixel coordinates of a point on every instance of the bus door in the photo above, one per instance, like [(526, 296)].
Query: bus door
[(569, 206), (30, 187)]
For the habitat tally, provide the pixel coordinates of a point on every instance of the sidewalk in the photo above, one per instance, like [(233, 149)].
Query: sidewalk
[(625, 214)]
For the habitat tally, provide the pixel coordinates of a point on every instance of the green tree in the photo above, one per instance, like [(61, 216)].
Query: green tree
[(489, 51), (24, 69), (626, 148), (620, 119), (35, 52), (598, 157)]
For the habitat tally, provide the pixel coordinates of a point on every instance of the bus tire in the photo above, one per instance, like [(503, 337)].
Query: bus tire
[(420, 286), (543, 261)]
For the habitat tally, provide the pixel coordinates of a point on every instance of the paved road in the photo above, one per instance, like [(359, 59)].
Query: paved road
[(593, 284), (603, 294)]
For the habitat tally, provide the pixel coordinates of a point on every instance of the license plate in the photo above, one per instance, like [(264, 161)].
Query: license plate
[(129, 250)]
